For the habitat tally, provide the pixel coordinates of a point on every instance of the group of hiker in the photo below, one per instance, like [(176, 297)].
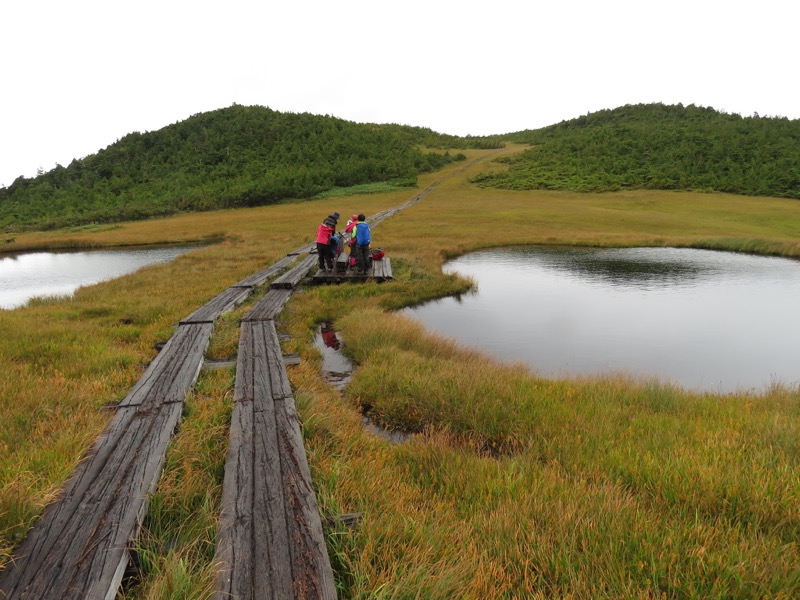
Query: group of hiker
[(356, 236)]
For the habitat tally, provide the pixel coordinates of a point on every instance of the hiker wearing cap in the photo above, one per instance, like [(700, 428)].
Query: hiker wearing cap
[(332, 220), (363, 239), (325, 231)]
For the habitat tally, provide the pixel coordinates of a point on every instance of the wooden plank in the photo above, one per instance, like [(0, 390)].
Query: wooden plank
[(174, 371), (269, 306), (234, 553), (291, 278), (279, 386), (79, 546), (81, 540), (291, 359), (259, 278), (381, 270), (312, 574), (262, 552), (271, 530), (222, 303), (263, 374), (243, 388), (311, 246)]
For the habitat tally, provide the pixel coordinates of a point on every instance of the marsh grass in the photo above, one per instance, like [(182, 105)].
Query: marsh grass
[(175, 551), (514, 486), (367, 188), (600, 487)]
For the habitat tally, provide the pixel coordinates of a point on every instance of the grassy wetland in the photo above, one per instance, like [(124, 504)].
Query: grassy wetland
[(514, 486)]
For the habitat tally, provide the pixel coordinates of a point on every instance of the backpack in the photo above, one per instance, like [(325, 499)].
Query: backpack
[(377, 254)]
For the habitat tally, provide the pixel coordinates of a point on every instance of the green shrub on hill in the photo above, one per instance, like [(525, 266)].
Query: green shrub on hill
[(236, 156), (656, 146)]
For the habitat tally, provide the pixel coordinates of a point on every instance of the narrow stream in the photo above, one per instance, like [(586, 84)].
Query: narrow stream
[(338, 370)]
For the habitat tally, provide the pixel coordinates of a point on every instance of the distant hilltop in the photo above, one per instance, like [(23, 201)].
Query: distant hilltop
[(656, 146)]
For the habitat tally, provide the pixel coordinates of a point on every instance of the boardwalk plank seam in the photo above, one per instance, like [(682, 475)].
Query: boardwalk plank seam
[(258, 279), (174, 370), (269, 306), (291, 278), (219, 305)]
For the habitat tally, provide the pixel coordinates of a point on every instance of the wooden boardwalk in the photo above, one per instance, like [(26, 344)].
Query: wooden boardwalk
[(381, 270), (271, 542), (79, 547)]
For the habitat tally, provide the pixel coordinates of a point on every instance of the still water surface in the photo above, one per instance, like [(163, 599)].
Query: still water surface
[(25, 276), (705, 320)]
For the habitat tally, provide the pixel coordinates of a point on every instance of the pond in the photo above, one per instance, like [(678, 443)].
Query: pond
[(704, 320), (25, 276)]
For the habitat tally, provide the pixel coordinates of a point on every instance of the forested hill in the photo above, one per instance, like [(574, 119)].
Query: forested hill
[(236, 156), (657, 146)]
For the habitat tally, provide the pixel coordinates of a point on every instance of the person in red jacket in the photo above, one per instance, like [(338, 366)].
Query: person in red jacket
[(324, 251)]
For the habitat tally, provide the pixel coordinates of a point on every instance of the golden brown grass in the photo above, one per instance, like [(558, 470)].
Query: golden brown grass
[(515, 487)]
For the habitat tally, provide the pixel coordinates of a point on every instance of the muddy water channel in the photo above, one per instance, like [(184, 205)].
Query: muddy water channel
[(29, 275), (705, 320)]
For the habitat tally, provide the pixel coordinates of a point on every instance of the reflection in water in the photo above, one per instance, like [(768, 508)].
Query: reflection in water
[(338, 370), (334, 363), (640, 267), (329, 336), (705, 320), (38, 274)]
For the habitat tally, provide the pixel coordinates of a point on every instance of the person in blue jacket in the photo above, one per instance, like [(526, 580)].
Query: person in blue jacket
[(363, 240)]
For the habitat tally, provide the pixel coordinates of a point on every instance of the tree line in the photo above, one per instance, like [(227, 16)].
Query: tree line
[(657, 146), (232, 157)]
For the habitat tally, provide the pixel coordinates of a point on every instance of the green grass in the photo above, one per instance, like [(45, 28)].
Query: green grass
[(368, 188), (515, 486)]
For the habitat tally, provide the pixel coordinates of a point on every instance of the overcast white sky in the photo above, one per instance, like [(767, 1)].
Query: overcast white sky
[(77, 75)]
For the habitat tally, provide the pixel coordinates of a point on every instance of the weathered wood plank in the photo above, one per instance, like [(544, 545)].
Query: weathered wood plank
[(312, 573), (234, 551), (174, 371), (253, 543), (222, 303), (78, 549), (381, 270), (278, 379), (291, 278), (290, 359), (269, 306), (258, 543), (311, 246), (259, 278), (263, 374), (271, 531)]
